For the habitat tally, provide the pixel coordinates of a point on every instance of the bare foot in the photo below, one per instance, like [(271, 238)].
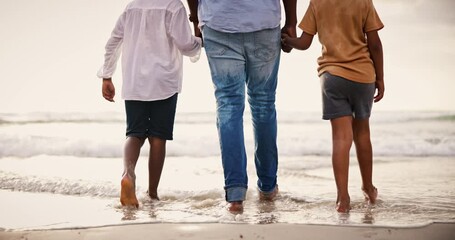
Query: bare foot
[(153, 196), (235, 207), (128, 193), (371, 194), (343, 205), (268, 196)]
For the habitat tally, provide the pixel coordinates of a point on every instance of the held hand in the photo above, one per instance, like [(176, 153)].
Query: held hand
[(197, 31), (195, 21), (284, 38), (379, 90), (288, 31), (108, 90)]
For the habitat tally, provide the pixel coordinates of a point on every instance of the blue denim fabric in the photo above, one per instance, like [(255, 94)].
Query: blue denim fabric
[(239, 62)]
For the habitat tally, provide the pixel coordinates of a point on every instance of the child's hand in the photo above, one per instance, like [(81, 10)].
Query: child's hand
[(196, 57), (288, 31), (108, 89), (379, 90), (284, 38), (301, 43)]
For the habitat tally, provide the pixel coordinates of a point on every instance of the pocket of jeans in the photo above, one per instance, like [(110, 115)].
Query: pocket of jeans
[(214, 42), (213, 48), (267, 44)]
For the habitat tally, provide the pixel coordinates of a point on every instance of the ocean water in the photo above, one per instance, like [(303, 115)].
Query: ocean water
[(63, 170)]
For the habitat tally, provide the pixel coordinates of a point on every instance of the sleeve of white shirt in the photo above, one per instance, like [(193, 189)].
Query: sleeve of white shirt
[(180, 33), (113, 49)]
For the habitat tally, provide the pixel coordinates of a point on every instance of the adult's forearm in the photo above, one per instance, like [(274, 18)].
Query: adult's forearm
[(290, 10), (192, 4)]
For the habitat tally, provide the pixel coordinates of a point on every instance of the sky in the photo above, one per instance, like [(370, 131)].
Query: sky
[(51, 50)]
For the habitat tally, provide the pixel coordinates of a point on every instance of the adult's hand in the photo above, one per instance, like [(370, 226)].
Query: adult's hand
[(197, 31), (291, 32)]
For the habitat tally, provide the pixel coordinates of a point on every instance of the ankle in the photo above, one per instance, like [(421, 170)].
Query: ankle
[(344, 199), (130, 176), (235, 207), (370, 194), (153, 195), (270, 196), (343, 203), (343, 195), (368, 188)]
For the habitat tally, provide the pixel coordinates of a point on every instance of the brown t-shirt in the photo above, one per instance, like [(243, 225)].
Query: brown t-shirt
[(341, 26)]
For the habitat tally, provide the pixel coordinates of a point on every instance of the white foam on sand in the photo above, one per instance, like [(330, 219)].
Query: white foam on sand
[(61, 192)]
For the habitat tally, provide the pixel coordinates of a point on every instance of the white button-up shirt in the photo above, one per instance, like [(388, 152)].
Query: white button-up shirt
[(152, 36)]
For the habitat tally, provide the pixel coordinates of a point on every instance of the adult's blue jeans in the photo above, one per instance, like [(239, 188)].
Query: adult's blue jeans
[(239, 63)]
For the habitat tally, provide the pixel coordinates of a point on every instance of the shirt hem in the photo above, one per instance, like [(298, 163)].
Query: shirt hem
[(133, 98)]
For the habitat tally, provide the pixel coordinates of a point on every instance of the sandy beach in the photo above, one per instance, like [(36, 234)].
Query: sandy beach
[(436, 231)]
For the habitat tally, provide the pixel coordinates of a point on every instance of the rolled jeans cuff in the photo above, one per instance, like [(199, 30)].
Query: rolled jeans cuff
[(235, 194)]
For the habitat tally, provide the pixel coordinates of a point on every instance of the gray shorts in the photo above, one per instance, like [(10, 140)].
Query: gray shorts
[(342, 97)]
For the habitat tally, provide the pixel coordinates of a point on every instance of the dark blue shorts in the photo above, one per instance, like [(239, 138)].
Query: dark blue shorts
[(342, 97), (151, 118)]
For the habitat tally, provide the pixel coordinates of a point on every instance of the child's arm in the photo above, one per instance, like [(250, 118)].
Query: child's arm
[(302, 43), (112, 50), (180, 33), (113, 47), (375, 48)]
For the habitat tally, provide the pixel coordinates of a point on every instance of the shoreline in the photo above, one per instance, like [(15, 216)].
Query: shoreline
[(193, 231), (306, 195)]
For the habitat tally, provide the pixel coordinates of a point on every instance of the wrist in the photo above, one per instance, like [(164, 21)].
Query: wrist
[(193, 18), (290, 24)]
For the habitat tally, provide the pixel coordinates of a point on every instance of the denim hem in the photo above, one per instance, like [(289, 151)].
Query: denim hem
[(235, 194)]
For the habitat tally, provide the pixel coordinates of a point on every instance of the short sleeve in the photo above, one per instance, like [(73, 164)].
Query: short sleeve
[(308, 23), (372, 21)]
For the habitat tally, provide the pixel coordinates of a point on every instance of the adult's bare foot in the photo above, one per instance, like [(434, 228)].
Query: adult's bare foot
[(371, 194), (235, 207), (153, 195), (128, 193), (268, 196)]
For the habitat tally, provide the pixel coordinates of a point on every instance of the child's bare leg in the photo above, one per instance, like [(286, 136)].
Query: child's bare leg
[(156, 162), (342, 142), (128, 184), (361, 129)]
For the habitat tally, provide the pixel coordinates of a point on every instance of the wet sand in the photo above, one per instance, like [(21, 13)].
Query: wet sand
[(163, 231)]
